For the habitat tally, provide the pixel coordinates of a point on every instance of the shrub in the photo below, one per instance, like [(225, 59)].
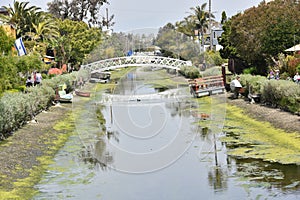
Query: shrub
[(213, 58), (189, 72), (253, 83), (277, 93), (282, 94), (16, 107), (213, 71)]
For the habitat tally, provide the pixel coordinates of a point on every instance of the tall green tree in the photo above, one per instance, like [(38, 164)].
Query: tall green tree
[(177, 45), (224, 17), (44, 27), (201, 17), (35, 26), (259, 34), (186, 26), (80, 10), (76, 40), (198, 21)]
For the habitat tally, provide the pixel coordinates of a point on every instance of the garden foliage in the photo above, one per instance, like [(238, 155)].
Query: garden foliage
[(19, 107), (277, 93), (189, 72), (259, 34), (13, 70)]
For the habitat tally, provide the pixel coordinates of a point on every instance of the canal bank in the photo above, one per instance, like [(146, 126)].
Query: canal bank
[(277, 117), (26, 155)]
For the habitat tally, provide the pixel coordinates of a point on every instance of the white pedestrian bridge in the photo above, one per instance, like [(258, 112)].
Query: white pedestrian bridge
[(137, 61)]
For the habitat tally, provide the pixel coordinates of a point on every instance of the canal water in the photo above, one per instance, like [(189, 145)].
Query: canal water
[(152, 147)]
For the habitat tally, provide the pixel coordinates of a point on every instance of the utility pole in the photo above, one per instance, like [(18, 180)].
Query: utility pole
[(107, 18), (209, 27)]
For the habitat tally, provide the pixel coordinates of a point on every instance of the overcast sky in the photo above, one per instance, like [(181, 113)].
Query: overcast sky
[(135, 14)]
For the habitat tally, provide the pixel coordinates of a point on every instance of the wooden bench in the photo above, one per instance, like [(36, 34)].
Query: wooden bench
[(207, 86)]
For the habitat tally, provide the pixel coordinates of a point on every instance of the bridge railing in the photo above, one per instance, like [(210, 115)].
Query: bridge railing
[(119, 62)]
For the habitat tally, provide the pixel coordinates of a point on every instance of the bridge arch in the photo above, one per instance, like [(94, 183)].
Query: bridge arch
[(139, 61)]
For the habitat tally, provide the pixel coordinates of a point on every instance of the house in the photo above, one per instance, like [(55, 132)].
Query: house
[(216, 32)]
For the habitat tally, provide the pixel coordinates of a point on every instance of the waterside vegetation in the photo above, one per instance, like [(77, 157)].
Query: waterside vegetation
[(281, 94)]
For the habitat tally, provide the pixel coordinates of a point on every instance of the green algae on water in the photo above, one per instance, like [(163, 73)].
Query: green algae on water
[(249, 138)]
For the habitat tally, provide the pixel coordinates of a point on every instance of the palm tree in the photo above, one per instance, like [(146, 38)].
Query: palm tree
[(186, 26), (201, 19), (19, 16), (36, 26), (44, 27)]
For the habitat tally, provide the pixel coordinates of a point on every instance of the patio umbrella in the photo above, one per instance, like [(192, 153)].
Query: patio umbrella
[(294, 48)]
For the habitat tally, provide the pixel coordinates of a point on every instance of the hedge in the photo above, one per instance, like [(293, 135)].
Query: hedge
[(189, 72), (19, 107), (276, 93)]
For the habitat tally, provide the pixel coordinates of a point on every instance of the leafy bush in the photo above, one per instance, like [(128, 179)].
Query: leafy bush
[(277, 93), (282, 94), (213, 58), (213, 71), (189, 72), (253, 83), (13, 68), (251, 70)]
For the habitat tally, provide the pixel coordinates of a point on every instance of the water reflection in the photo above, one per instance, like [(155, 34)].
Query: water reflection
[(218, 177), (284, 177), (97, 155)]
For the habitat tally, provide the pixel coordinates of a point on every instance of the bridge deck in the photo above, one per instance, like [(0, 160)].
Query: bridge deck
[(139, 61)]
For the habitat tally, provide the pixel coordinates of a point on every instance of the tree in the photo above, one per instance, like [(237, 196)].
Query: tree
[(33, 25), (19, 15), (177, 45), (200, 17), (187, 26), (76, 40), (44, 28), (224, 17), (259, 34), (80, 10), (197, 21)]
